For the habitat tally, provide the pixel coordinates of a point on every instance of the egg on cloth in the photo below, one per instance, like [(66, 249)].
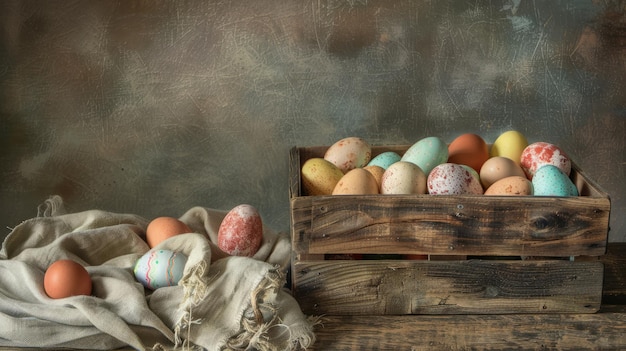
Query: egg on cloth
[(427, 153), (549, 180), (453, 179), (159, 268), (163, 228), (349, 153), (319, 176), (65, 278), (357, 182), (403, 178), (241, 231), (511, 186), (468, 149), (541, 153)]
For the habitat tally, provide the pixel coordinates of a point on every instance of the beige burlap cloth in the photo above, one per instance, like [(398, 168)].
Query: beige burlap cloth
[(222, 303)]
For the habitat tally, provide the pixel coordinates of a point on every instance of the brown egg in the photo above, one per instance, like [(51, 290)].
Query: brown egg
[(356, 182), (468, 149), (65, 278), (377, 172), (162, 228), (497, 168), (511, 186)]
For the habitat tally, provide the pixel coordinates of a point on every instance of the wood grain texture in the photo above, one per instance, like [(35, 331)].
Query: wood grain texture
[(447, 225), (388, 287), (467, 332)]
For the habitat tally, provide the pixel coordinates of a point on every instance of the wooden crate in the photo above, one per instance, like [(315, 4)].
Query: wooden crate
[(486, 254)]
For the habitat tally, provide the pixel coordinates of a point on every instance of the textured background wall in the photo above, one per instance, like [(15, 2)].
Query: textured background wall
[(152, 107)]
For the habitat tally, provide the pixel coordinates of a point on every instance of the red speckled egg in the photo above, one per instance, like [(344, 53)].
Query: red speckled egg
[(65, 278), (453, 179), (468, 149), (241, 231), (540, 154)]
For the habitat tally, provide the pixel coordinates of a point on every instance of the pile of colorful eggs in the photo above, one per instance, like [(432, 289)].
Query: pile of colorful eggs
[(466, 166)]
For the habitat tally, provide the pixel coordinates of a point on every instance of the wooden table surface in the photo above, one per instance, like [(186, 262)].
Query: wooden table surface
[(605, 330)]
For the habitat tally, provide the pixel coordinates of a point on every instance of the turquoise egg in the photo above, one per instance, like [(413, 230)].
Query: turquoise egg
[(427, 153), (385, 159), (549, 180)]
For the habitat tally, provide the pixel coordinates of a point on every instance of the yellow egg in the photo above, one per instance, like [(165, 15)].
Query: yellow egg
[(511, 186), (509, 144), (357, 182), (319, 176)]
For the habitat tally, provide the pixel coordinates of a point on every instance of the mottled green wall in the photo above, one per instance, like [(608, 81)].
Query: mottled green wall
[(153, 107)]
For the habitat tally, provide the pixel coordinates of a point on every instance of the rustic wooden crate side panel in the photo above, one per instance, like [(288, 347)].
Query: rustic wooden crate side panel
[(442, 225), (453, 287), (450, 225)]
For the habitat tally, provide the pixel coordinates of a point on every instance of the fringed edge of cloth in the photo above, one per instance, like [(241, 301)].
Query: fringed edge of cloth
[(195, 289), (261, 325)]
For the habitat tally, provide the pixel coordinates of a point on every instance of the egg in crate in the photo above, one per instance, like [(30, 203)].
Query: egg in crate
[(550, 180), (349, 153), (511, 186), (542, 153), (319, 176), (427, 153), (357, 182), (499, 167), (453, 179), (159, 268), (241, 231), (468, 149), (509, 144), (385, 159), (65, 278), (403, 178)]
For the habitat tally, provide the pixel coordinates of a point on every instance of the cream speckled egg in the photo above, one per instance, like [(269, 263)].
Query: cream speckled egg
[(403, 178), (349, 153)]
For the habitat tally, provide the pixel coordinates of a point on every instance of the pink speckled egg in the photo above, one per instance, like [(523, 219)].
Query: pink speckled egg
[(241, 231), (453, 179), (540, 154)]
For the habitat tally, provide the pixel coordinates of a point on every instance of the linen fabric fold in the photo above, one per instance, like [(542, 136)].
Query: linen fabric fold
[(221, 303)]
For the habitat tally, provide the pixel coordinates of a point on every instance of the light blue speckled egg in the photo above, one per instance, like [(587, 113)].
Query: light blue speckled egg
[(159, 268), (551, 181), (385, 159), (427, 153)]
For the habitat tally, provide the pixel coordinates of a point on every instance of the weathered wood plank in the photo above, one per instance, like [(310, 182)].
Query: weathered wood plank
[(389, 287), (602, 331), (447, 225), (468, 225)]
